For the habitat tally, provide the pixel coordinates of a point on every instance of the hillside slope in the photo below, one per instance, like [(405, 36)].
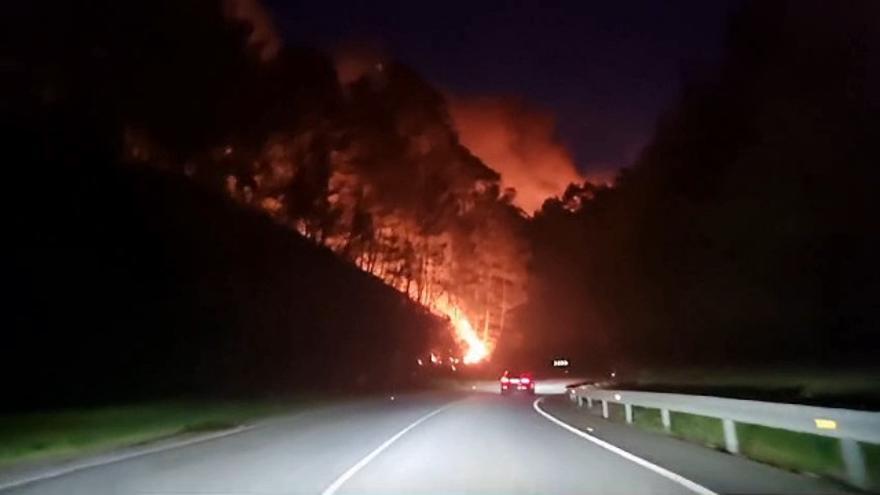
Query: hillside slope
[(133, 284)]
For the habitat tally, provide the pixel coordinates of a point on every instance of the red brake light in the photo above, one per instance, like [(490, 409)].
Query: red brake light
[(504, 379), (525, 380)]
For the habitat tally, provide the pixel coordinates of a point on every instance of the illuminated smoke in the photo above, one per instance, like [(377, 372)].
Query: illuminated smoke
[(603, 175), (519, 142), (264, 37), (354, 61)]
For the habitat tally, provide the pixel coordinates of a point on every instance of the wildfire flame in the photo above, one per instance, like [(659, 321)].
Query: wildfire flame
[(476, 350), (474, 347)]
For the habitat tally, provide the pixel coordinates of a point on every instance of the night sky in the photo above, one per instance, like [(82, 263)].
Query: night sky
[(605, 69)]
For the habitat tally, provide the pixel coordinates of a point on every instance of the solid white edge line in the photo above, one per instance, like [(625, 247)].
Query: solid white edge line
[(330, 490), (103, 460), (697, 488)]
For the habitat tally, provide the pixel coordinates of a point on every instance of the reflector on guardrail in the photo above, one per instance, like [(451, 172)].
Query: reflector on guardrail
[(826, 424)]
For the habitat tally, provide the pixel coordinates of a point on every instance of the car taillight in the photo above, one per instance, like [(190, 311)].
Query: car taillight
[(525, 380), (504, 379)]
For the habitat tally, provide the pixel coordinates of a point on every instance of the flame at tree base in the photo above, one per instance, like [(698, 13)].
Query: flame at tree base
[(475, 348)]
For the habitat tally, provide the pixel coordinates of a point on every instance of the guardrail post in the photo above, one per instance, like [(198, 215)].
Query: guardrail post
[(604, 408), (854, 461), (731, 442), (628, 408), (667, 421)]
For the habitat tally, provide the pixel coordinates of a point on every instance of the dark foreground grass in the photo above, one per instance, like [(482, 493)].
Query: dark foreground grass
[(60, 434), (793, 450), (699, 429)]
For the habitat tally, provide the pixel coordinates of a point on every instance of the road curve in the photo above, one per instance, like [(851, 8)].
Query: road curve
[(418, 444)]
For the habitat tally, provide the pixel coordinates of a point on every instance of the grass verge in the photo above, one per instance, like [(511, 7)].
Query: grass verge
[(696, 428), (67, 433), (616, 412), (872, 464), (647, 418), (793, 450)]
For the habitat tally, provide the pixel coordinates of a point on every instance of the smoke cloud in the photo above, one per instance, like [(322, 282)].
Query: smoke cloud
[(354, 61), (264, 37), (519, 142)]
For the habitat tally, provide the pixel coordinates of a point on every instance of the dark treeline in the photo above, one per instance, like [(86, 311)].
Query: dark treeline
[(135, 285), (126, 282), (747, 231)]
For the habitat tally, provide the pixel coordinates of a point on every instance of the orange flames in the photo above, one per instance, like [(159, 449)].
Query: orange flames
[(475, 347), (476, 350), (432, 285)]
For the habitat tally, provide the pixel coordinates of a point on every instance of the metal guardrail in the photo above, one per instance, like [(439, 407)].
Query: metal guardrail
[(850, 426)]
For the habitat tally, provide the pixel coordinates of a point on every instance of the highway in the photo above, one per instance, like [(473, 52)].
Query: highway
[(433, 442)]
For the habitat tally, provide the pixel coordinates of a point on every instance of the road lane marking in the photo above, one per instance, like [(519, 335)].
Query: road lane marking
[(690, 485), (330, 490)]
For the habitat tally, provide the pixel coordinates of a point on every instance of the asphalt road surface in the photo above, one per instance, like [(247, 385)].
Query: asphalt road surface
[(443, 443)]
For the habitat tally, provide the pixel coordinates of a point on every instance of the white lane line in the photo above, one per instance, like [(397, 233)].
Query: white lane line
[(690, 485), (330, 490)]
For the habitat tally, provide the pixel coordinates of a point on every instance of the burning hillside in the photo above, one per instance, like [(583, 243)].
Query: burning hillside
[(394, 192), (383, 181), (355, 152)]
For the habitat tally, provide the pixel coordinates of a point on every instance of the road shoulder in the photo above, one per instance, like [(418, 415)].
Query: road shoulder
[(19, 475), (718, 471)]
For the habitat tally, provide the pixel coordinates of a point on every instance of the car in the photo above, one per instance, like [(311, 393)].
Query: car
[(517, 382)]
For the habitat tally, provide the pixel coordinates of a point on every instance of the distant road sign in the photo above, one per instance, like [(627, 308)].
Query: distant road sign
[(560, 363)]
